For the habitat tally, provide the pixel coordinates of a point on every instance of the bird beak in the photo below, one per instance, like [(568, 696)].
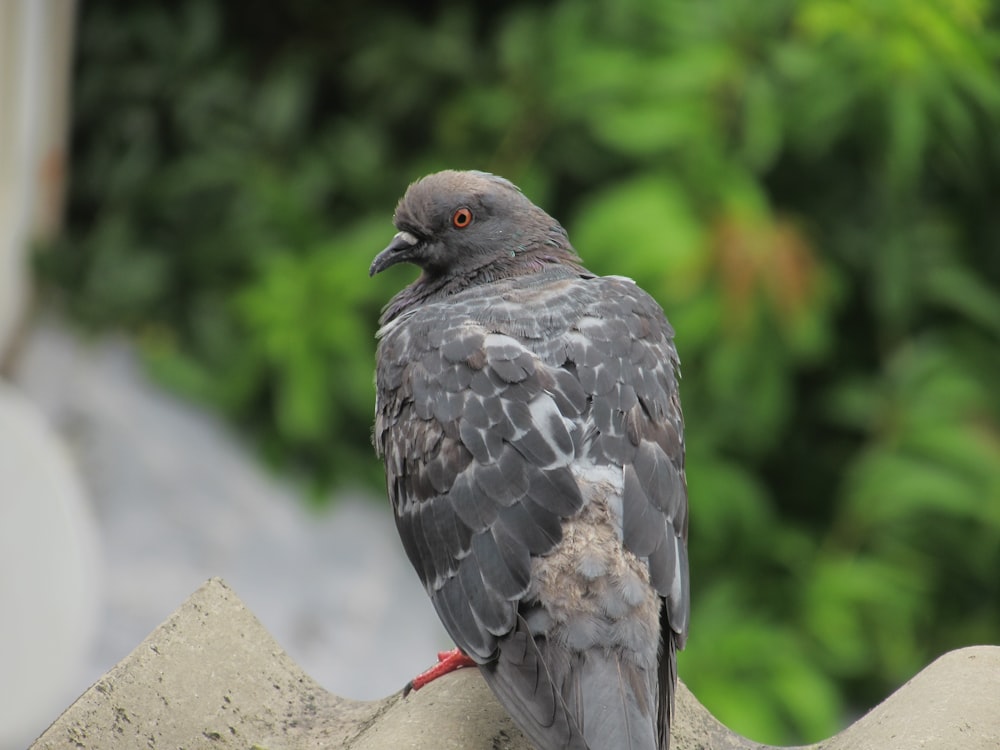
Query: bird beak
[(395, 253)]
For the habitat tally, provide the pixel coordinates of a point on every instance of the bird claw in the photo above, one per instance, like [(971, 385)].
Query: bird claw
[(448, 661)]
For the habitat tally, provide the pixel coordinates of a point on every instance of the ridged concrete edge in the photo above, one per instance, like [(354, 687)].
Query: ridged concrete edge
[(211, 676)]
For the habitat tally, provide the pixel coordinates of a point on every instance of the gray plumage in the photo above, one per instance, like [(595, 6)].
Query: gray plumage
[(528, 417)]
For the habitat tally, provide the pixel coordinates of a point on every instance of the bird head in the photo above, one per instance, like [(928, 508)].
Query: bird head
[(454, 223)]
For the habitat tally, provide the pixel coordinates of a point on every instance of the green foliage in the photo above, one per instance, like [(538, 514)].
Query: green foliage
[(807, 187)]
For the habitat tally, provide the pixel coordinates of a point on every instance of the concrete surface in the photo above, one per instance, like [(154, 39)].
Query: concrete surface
[(212, 677)]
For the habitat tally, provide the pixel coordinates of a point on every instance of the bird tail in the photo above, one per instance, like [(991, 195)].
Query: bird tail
[(595, 699)]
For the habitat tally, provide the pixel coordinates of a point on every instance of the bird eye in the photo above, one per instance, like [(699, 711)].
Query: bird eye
[(461, 218)]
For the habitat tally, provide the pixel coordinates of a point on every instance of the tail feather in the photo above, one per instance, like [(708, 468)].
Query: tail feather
[(668, 685), (617, 698), (575, 700), (523, 681)]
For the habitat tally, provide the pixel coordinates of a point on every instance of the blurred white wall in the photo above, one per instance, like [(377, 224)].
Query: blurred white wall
[(49, 573), (35, 64), (48, 548)]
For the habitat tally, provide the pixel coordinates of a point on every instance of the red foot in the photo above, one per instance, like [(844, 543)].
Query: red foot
[(448, 661)]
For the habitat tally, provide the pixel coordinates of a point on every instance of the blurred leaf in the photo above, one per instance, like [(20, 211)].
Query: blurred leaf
[(772, 699), (643, 229)]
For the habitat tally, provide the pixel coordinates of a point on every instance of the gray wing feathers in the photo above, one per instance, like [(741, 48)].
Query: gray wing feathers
[(623, 336), (476, 453)]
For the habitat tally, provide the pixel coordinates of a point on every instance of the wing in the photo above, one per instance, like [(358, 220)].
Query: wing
[(477, 437), (626, 361), (627, 364)]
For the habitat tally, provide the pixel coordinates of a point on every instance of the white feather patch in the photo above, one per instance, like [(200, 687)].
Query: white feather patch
[(546, 419)]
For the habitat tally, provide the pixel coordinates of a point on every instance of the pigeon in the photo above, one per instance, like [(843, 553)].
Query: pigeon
[(528, 417)]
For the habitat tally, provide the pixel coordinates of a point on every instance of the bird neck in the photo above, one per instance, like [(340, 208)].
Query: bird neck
[(522, 262)]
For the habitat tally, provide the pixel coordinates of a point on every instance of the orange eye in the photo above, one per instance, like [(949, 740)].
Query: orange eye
[(461, 218)]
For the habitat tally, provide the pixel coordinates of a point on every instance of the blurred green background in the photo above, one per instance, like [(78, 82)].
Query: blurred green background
[(810, 189)]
